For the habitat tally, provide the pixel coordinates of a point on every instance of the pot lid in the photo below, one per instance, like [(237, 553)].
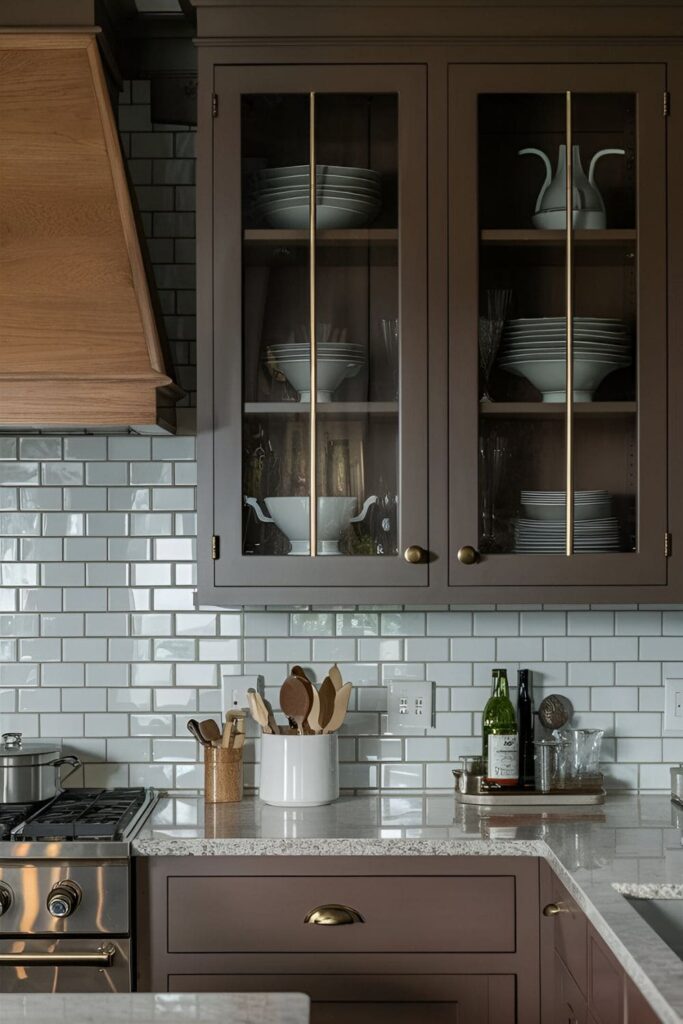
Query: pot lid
[(14, 752)]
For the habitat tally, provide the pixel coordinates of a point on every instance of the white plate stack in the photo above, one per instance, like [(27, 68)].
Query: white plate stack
[(336, 360), (535, 348), (346, 197), (543, 528)]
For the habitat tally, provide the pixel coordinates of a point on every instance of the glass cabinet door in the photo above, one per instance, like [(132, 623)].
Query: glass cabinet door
[(558, 344), (319, 329)]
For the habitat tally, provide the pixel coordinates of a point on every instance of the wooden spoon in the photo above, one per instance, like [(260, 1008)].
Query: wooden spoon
[(336, 677), (258, 709), (229, 733), (327, 696), (209, 731), (340, 707), (296, 699), (274, 727), (300, 673), (313, 720), (193, 726)]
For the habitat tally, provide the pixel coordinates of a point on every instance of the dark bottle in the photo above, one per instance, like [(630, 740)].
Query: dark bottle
[(525, 728)]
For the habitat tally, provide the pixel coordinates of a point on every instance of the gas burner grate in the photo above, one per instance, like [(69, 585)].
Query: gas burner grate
[(86, 814), (12, 815)]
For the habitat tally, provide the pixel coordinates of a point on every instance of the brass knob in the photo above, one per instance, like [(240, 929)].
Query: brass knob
[(333, 914), (552, 909), (415, 554), (468, 555)]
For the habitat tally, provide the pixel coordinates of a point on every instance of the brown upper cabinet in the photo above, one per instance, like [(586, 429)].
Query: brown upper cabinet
[(418, 335)]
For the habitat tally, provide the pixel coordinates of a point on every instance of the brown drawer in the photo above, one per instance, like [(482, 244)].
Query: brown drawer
[(440, 914), (606, 982), (570, 935), (377, 999)]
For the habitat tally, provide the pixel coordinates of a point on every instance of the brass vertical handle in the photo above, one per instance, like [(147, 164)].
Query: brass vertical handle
[(333, 914), (313, 423), (569, 302)]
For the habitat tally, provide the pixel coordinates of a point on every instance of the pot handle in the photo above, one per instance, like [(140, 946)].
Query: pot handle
[(366, 505), (69, 759), (548, 173)]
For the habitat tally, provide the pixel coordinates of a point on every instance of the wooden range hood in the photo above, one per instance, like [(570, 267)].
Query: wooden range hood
[(79, 343)]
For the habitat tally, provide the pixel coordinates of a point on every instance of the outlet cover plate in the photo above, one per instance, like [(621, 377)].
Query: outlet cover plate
[(235, 691), (410, 706), (673, 707)]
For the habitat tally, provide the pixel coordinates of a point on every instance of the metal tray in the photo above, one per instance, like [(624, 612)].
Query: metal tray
[(518, 798)]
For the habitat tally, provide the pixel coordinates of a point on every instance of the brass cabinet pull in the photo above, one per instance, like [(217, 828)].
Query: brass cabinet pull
[(104, 957), (333, 913), (415, 554), (552, 909), (468, 555)]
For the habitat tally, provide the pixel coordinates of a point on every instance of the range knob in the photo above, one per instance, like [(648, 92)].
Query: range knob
[(5, 898), (63, 899)]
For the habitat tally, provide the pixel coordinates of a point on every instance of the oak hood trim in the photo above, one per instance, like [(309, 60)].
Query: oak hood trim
[(79, 341)]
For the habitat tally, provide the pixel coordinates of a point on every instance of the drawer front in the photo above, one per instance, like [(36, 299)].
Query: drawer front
[(377, 999), (638, 1010), (570, 1006), (606, 983), (447, 914), (571, 935)]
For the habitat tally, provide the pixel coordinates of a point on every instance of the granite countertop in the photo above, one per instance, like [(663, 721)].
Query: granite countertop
[(630, 845), (153, 1008)]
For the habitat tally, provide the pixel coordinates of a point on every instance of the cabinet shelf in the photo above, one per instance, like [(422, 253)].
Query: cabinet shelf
[(534, 236), (552, 410), (324, 408), (349, 236)]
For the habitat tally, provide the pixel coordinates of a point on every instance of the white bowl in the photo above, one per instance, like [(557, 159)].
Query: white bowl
[(330, 375), (291, 515), (321, 170), (328, 218), (549, 376)]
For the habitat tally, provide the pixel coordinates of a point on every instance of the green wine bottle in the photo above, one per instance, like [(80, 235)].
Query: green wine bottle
[(499, 731)]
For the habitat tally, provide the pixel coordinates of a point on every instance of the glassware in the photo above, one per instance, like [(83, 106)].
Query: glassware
[(491, 332), (580, 756), (390, 339), (493, 457), (547, 766)]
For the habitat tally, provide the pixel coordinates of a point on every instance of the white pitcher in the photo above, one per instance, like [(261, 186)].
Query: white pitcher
[(588, 208)]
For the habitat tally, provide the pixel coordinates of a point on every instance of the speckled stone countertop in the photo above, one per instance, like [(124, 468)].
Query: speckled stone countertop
[(631, 844), (161, 1008)]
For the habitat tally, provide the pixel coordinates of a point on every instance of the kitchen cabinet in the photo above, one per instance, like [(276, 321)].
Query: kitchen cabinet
[(581, 981), (449, 303), (430, 940)]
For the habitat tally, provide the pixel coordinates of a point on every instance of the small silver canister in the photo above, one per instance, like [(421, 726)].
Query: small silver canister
[(677, 784)]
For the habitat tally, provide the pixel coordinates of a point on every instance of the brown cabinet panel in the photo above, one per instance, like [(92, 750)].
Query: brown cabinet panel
[(569, 1005), (375, 999), (569, 933), (439, 914), (605, 982), (638, 1011)]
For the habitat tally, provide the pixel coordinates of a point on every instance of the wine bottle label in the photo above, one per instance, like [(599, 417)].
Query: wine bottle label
[(503, 758)]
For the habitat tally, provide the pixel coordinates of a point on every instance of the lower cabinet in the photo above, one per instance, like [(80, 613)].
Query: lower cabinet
[(581, 981), (431, 939)]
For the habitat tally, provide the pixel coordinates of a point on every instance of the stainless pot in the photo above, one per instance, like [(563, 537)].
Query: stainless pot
[(30, 772)]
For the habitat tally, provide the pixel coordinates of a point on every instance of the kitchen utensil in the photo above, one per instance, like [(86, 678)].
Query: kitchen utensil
[(290, 514), (581, 756), (547, 765), (229, 733), (223, 774), (209, 730), (335, 675), (299, 771), (313, 719), (554, 711), (341, 704), (30, 772), (258, 710), (588, 208), (677, 784), (327, 696), (240, 734), (193, 727), (297, 670), (296, 700), (272, 724), (470, 775)]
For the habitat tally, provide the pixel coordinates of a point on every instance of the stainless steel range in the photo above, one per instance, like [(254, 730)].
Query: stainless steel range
[(65, 891)]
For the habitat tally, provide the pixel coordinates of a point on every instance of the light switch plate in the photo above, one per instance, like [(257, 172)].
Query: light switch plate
[(235, 691), (410, 706), (673, 707)]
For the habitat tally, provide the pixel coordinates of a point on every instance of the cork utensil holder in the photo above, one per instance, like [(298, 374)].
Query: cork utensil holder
[(223, 775)]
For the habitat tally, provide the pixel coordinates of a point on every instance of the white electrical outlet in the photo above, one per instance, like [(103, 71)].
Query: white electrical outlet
[(410, 706), (673, 707), (235, 690)]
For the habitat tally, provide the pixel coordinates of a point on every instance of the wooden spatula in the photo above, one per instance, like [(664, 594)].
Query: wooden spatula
[(209, 730), (340, 706), (274, 727), (327, 696), (336, 677), (296, 700), (313, 720), (258, 709)]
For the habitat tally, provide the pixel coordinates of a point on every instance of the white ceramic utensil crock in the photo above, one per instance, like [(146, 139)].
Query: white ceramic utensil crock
[(299, 771)]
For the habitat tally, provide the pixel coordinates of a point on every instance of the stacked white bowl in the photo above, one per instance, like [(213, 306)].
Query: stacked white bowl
[(336, 360), (346, 197), (535, 348), (543, 527)]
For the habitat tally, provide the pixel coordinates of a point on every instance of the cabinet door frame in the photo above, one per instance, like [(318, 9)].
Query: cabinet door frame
[(277, 578), (646, 567)]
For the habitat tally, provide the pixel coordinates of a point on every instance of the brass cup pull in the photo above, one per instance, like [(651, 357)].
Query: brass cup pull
[(333, 913), (468, 555), (415, 554), (552, 909)]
